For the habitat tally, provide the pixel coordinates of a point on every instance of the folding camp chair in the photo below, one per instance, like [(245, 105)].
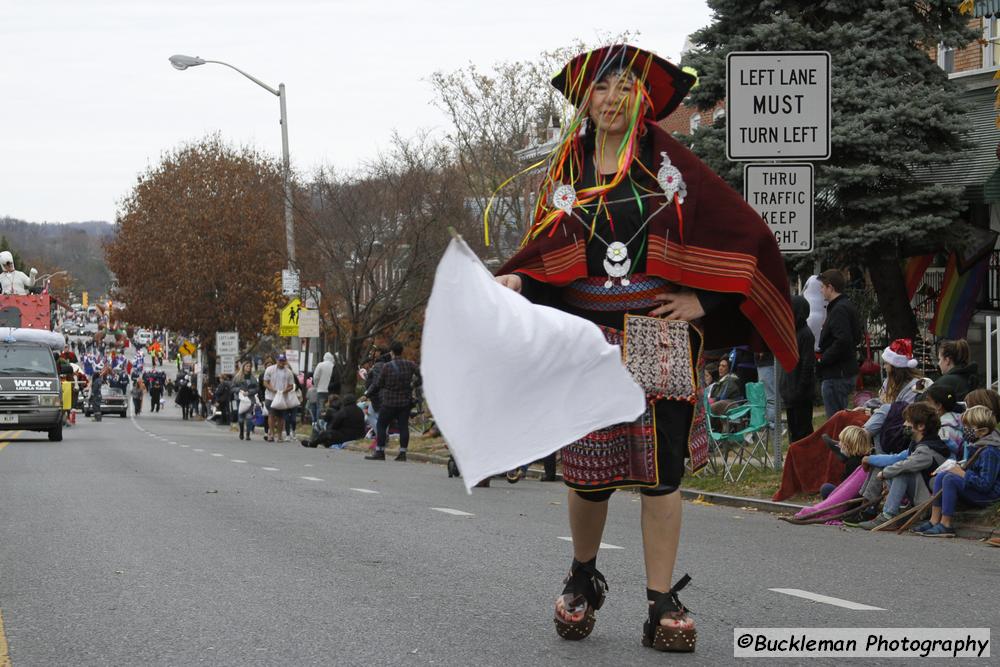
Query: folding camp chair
[(720, 444), (751, 441), (745, 439)]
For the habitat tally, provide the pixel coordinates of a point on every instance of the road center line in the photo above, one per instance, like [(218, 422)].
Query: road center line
[(172, 442), (214, 454), (197, 450), (604, 545), (237, 461), (271, 469), (185, 446), (364, 490), (826, 599), (312, 479), (448, 510)]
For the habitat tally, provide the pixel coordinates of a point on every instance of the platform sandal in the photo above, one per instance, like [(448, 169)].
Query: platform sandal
[(584, 592), (668, 605)]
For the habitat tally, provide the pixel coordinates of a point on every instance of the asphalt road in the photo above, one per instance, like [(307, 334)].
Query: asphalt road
[(160, 542)]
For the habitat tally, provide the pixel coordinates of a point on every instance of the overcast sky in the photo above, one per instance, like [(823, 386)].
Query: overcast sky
[(89, 99)]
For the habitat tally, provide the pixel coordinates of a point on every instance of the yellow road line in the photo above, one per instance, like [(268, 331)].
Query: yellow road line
[(4, 654), (4, 443)]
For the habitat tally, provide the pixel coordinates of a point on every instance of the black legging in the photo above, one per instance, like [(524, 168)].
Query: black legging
[(800, 421)]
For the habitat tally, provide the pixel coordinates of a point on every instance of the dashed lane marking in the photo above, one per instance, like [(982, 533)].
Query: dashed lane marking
[(185, 446), (197, 450), (364, 490), (448, 510), (172, 442), (214, 454), (604, 545), (826, 599), (312, 479), (308, 465), (237, 461), (271, 469)]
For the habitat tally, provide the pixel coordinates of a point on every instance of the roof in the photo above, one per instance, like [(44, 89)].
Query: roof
[(973, 167), (987, 8)]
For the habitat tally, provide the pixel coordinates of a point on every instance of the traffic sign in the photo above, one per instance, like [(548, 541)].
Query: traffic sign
[(227, 343), (290, 318), (783, 195), (227, 364), (310, 297), (289, 282), (308, 323), (778, 105), (187, 349)]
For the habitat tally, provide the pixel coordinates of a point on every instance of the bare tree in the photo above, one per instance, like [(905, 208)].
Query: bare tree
[(373, 240)]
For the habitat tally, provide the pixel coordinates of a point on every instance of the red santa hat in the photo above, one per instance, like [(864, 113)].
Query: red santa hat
[(899, 354)]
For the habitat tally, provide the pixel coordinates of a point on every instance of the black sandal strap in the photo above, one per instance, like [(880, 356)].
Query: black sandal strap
[(586, 580), (665, 603)]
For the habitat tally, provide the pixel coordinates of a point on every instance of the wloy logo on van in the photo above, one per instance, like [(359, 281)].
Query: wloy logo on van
[(32, 385)]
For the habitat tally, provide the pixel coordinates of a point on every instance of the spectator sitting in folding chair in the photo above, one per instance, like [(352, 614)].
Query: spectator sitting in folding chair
[(723, 394)]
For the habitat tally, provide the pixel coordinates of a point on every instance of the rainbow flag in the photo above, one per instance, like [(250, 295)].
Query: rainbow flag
[(957, 300), (913, 272)]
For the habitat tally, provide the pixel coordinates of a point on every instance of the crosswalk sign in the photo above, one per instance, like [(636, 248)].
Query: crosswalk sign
[(290, 318)]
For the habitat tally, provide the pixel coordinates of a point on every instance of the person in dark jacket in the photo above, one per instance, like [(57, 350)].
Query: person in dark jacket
[(959, 376), (343, 424), (837, 366), (797, 387)]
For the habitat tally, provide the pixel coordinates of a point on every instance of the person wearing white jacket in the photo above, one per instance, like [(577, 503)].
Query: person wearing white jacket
[(13, 281), (322, 375)]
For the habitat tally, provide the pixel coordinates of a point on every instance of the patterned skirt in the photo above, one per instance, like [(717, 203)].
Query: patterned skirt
[(650, 451)]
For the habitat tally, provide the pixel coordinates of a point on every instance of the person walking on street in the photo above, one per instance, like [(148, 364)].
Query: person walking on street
[(138, 393), (394, 388), (155, 393), (837, 366), (278, 379)]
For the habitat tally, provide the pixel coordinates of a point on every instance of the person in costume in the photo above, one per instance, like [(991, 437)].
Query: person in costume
[(13, 281), (630, 222)]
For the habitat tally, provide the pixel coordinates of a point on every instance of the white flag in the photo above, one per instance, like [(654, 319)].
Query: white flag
[(509, 382)]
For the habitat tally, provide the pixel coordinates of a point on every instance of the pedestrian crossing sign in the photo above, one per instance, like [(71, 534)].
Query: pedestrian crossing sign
[(290, 318)]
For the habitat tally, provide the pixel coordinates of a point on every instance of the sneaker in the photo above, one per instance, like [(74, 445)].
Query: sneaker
[(923, 528), (377, 455), (876, 522), (401, 456), (939, 530)]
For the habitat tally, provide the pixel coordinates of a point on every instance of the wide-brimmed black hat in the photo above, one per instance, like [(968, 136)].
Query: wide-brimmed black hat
[(666, 83)]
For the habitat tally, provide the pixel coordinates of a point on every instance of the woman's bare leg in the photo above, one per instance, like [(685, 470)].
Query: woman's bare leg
[(586, 523), (661, 532)]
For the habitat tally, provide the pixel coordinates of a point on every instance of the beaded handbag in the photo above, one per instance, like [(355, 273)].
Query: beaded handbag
[(658, 355)]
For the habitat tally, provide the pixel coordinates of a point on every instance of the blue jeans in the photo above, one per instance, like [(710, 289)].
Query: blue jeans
[(901, 486), (952, 488), (835, 392)]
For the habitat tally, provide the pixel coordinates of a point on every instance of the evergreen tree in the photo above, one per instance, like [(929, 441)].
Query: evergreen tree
[(894, 113)]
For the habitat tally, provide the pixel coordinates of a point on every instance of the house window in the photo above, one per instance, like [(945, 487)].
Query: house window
[(991, 41), (695, 122), (946, 59)]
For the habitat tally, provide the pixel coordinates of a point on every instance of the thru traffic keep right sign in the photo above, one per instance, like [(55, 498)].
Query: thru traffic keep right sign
[(782, 194)]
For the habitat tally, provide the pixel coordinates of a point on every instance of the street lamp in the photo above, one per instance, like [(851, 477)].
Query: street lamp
[(182, 62)]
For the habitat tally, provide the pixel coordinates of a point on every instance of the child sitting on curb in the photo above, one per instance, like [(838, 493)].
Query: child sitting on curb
[(908, 471), (941, 399), (854, 445), (978, 485)]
